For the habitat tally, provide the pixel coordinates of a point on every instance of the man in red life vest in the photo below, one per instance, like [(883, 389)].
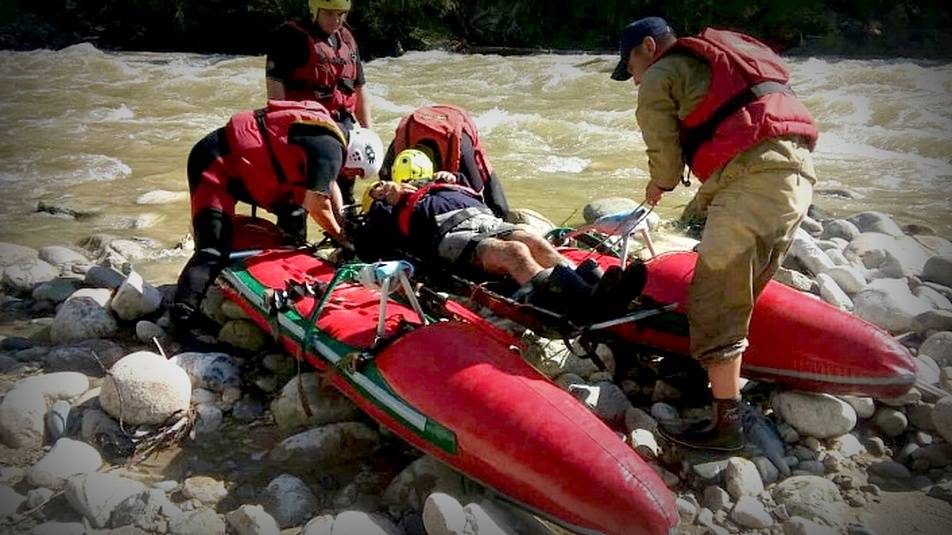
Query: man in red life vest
[(319, 60), (719, 103), (284, 158), (448, 135)]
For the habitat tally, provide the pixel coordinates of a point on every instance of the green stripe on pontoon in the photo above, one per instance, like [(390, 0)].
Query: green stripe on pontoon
[(431, 431)]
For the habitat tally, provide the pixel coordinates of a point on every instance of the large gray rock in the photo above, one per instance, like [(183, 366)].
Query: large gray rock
[(363, 523), (891, 421), (816, 415), (938, 269), (104, 277), (831, 292), (801, 526), (10, 501), (889, 304), (794, 279), (89, 357), (850, 278), (488, 517), (135, 298), (864, 407), (605, 399), (812, 497), (80, 318), (252, 520), (23, 410), (337, 442), (443, 515), (933, 320), (806, 250), (289, 501), (205, 489), (203, 521), (211, 371), (871, 249), (927, 370), (839, 228), (418, 480), (55, 291), (150, 511), (876, 222), (11, 253), (741, 478), (96, 422), (611, 205), (530, 220), (67, 458), (63, 258), (146, 331), (327, 404), (23, 278), (931, 295), (96, 496), (59, 528), (939, 347), (243, 335), (151, 389), (748, 512), (942, 418)]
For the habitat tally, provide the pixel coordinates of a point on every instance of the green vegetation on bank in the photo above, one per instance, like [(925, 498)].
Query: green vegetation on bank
[(851, 27)]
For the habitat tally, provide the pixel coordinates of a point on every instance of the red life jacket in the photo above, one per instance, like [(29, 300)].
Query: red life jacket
[(272, 170), (329, 74), (405, 210), (443, 126), (747, 102)]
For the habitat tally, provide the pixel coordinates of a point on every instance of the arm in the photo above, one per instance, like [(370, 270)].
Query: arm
[(321, 209), (657, 116), (324, 157), (286, 50), (492, 192), (275, 89), (363, 109)]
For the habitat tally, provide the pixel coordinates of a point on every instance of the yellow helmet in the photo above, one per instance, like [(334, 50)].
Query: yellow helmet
[(339, 5), (366, 201), (411, 164)]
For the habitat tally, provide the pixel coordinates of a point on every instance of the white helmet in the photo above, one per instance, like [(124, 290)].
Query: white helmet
[(364, 152)]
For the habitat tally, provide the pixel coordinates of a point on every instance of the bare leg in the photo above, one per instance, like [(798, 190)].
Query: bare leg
[(542, 251), (725, 379), (507, 257)]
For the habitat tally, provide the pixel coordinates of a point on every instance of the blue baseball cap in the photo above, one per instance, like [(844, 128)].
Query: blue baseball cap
[(633, 35)]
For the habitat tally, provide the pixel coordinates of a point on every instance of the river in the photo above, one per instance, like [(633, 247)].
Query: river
[(92, 131)]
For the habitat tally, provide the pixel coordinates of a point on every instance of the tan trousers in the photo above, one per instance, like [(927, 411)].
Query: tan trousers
[(753, 207)]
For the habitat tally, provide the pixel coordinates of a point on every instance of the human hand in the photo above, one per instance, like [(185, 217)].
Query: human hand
[(653, 194), (445, 176), (391, 192)]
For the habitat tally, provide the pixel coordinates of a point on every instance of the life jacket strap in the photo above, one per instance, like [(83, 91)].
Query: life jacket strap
[(692, 138)]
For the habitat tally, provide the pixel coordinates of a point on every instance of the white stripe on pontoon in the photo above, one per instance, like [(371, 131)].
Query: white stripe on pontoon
[(413, 417), (907, 379)]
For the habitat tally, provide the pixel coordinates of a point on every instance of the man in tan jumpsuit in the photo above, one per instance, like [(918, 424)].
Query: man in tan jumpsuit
[(753, 205)]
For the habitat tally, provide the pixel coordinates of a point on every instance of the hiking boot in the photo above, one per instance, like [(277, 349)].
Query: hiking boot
[(617, 289), (563, 291), (590, 271), (723, 433)]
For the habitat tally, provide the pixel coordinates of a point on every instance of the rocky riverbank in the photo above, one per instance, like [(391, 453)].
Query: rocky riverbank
[(109, 423)]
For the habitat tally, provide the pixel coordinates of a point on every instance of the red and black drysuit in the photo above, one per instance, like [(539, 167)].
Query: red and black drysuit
[(302, 149)]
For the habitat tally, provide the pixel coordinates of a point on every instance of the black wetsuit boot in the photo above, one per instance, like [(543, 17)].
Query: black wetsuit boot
[(723, 433), (563, 291)]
